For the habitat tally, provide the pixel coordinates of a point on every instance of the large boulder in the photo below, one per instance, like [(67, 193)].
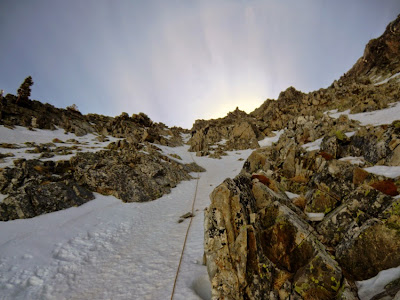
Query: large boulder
[(129, 174), (369, 249), (357, 207), (32, 199), (236, 131), (35, 187)]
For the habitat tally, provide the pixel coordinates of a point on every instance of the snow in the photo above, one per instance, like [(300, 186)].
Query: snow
[(291, 195), (185, 137), (390, 172), (268, 141), (387, 79), (355, 160), (20, 135), (315, 216), (316, 145), (2, 197), (107, 249), (367, 289), (313, 145), (374, 118), (222, 142), (186, 156)]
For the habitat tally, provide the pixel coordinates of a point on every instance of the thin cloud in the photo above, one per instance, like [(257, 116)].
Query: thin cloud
[(178, 61)]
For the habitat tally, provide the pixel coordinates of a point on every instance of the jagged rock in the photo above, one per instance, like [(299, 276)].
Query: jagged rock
[(126, 173), (237, 131), (319, 279), (45, 116), (193, 167), (336, 145), (357, 207), (187, 215), (258, 248), (32, 199), (36, 187), (243, 137), (235, 262), (373, 247), (129, 175), (246, 228)]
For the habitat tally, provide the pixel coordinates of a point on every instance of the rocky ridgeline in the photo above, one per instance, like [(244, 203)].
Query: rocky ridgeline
[(138, 127), (358, 90), (341, 224), (132, 169), (239, 130)]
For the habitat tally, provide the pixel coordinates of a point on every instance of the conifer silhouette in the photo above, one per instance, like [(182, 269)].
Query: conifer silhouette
[(24, 90)]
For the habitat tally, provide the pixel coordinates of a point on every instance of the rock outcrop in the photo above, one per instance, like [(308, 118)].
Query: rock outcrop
[(131, 169), (138, 127), (257, 247), (237, 131), (35, 187), (260, 244), (131, 172), (380, 58), (341, 223)]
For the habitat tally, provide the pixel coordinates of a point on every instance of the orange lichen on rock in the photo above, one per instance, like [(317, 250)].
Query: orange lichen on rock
[(385, 186)]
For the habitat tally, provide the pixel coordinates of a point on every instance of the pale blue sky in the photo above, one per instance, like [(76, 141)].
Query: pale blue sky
[(180, 60)]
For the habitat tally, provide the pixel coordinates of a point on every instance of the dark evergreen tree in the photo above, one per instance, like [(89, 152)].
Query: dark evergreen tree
[(24, 90)]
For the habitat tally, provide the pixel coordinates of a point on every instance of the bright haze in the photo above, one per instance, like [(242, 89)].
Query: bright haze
[(177, 60)]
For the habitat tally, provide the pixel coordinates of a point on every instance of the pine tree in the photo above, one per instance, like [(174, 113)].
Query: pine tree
[(24, 90)]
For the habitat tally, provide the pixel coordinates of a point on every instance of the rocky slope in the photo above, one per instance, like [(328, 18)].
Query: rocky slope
[(358, 90), (34, 114), (341, 222), (132, 168), (239, 130)]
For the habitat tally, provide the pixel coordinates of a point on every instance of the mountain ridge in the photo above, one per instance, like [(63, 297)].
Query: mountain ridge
[(339, 227)]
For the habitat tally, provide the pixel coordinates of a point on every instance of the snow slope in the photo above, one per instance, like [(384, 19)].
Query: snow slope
[(19, 136), (106, 249), (374, 118)]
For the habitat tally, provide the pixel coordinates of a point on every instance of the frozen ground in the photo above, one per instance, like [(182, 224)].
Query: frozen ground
[(374, 118), (387, 79), (268, 141), (387, 171), (316, 145), (375, 285), (106, 249)]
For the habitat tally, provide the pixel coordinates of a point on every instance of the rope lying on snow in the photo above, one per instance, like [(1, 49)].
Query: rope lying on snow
[(186, 236)]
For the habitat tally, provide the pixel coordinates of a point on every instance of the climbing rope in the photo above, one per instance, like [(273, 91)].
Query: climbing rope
[(186, 236)]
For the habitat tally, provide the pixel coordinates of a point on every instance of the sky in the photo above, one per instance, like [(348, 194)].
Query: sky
[(178, 61)]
